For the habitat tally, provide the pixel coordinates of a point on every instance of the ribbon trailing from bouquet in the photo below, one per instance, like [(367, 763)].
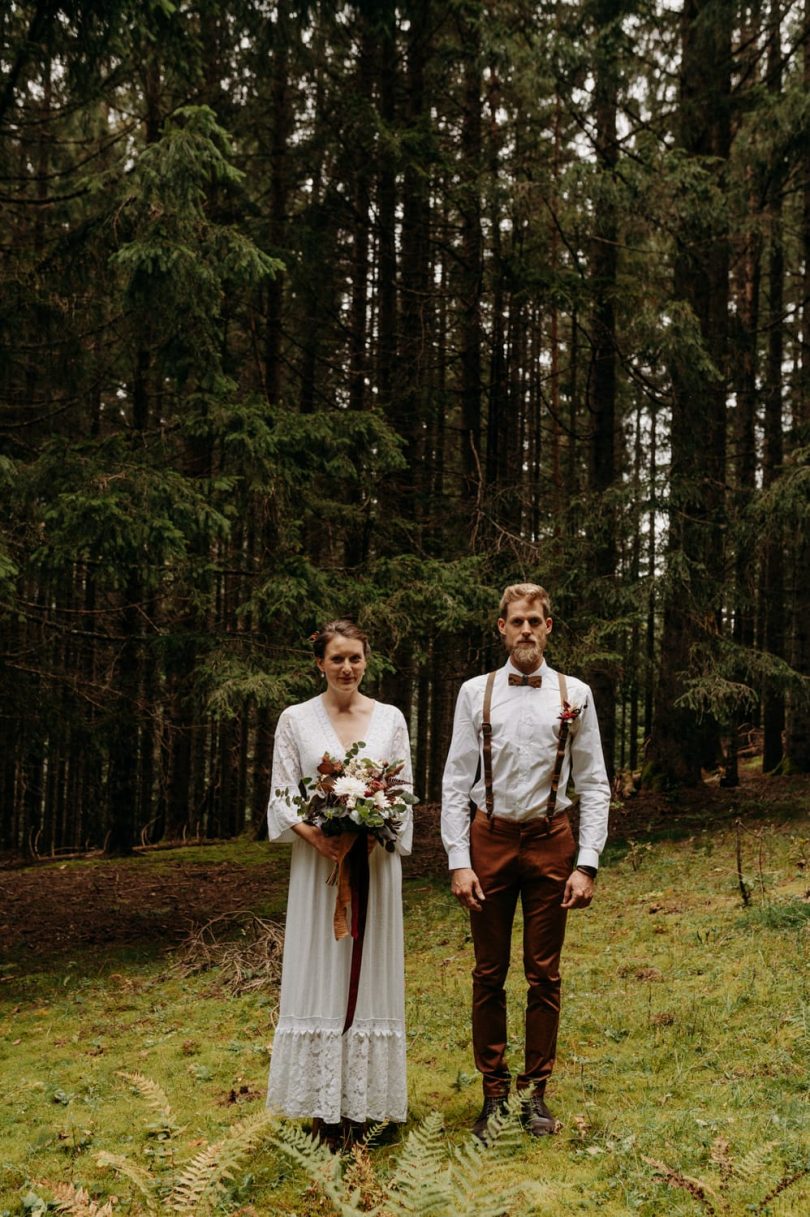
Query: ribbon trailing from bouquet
[(352, 888)]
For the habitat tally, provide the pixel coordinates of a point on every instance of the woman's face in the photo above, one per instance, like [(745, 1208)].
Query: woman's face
[(343, 664)]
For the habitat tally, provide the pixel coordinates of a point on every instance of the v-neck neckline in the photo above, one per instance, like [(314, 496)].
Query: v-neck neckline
[(344, 748)]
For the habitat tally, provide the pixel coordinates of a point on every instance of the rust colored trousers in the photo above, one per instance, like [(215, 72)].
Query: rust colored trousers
[(530, 860)]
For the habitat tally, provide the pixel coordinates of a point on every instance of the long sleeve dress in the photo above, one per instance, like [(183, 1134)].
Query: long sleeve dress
[(315, 1069)]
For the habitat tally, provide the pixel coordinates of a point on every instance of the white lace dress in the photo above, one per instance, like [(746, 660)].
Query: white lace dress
[(316, 1070)]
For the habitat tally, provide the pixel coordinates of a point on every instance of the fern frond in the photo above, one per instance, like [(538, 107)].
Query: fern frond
[(304, 1149), (316, 1161), (752, 1166), (424, 1145), (498, 1199), (154, 1095), (366, 1191), (148, 1089), (373, 1132), (427, 1181), (422, 1181), (476, 1186), (77, 1201), (505, 1129), (142, 1180), (474, 1174), (203, 1179), (695, 1187)]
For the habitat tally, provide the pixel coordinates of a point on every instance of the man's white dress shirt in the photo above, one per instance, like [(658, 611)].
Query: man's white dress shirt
[(525, 730)]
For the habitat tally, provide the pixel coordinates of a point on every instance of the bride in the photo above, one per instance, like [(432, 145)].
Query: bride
[(316, 1069)]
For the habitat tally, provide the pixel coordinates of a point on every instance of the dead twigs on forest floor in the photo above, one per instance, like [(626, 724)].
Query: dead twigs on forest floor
[(246, 948)]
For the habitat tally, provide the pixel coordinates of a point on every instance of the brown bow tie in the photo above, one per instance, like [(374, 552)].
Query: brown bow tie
[(533, 681)]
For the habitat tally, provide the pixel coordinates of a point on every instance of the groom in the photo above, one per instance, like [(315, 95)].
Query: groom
[(519, 734)]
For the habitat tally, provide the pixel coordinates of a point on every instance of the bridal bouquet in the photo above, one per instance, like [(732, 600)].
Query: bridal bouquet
[(356, 794)]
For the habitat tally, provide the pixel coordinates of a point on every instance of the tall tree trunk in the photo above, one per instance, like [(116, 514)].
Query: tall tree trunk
[(357, 535), (281, 120), (649, 650), (744, 344), (471, 253), (601, 395), (797, 734), (317, 291), (557, 498), (387, 213), (683, 741), (261, 529), (773, 581), (634, 657)]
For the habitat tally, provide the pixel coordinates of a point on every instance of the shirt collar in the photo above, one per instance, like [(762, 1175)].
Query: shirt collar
[(509, 667)]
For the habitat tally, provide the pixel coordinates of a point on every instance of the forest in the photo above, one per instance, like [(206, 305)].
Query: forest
[(312, 308)]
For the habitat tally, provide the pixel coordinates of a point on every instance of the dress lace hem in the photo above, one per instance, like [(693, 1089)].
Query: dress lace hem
[(367, 1084)]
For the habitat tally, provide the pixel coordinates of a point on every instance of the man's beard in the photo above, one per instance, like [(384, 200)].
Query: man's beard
[(527, 656)]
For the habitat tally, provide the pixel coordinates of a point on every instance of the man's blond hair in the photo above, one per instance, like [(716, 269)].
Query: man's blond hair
[(524, 591)]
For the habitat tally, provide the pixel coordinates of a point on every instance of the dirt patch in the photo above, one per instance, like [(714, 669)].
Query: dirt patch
[(55, 908), (47, 908)]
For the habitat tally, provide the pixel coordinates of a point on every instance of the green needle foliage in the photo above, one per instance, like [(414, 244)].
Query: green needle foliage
[(316, 309)]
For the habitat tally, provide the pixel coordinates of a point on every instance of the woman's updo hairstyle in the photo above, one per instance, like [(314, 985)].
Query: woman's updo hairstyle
[(343, 628)]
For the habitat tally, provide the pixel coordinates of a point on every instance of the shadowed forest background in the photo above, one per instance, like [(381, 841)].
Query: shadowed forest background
[(310, 309)]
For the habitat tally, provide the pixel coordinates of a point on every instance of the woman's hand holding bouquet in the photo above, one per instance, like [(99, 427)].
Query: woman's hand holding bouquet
[(352, 796)]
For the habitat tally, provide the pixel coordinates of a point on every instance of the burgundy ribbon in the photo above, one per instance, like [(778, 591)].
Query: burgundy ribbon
[(358, 878)]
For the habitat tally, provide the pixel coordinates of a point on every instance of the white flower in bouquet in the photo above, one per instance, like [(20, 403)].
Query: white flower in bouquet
[(356, 794), (346, 785)]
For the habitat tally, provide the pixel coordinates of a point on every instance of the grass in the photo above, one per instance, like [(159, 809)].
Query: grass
[(685, 1041)]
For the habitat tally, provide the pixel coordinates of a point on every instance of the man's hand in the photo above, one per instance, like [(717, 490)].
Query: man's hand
[(578, 890), (467, 890)]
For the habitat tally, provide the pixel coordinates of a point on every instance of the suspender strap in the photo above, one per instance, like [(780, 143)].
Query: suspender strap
[(486, 748), (558, 761)]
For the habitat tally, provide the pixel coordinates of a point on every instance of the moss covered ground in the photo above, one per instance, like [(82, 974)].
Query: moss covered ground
[(682, 1083)]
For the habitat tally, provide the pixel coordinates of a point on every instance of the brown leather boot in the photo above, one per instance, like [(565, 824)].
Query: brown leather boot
[(330, 1135), (493, 1105), (354, 1132), (536, 1117)]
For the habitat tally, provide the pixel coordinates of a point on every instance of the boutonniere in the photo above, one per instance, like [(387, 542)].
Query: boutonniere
[(569, 713)]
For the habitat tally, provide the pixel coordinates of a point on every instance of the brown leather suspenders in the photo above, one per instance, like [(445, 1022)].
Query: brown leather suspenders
[(558, 761), (486, 747)]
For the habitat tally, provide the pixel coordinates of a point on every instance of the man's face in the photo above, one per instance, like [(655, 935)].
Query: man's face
[(525, 632)]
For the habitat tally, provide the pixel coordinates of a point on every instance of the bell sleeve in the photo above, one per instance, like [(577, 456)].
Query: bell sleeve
[(401, 751), (281, 815)]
